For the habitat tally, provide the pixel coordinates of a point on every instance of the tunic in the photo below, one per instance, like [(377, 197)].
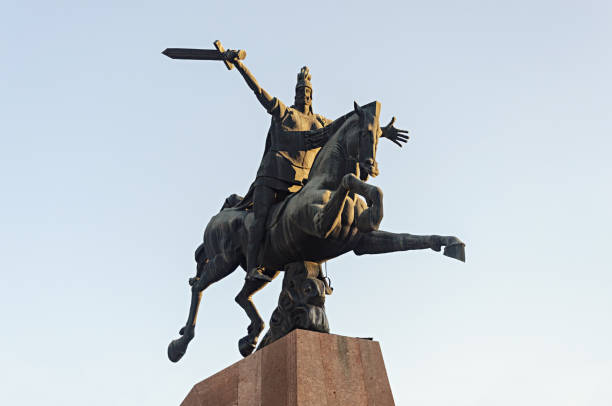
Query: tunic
[(287, 159)]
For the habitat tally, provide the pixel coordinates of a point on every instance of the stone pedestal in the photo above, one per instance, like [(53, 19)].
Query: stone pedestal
[(304, 368)]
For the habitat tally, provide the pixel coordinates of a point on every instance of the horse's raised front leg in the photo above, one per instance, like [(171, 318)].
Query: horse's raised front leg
[(247, 344), (330, 215), (380, 242), (210, 271), (369, 219)]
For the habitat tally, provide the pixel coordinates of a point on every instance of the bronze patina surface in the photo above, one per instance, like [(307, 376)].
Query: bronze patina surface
[(309, 202)]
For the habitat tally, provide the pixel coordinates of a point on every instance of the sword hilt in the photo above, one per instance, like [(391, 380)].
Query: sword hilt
[(229, 54)]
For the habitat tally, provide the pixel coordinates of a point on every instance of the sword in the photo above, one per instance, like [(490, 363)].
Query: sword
[(219, 54)]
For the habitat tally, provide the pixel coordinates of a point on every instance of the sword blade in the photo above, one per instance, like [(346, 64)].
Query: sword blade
[(189, 53)]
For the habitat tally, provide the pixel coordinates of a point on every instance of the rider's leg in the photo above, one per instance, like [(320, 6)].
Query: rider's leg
[(263, 198)]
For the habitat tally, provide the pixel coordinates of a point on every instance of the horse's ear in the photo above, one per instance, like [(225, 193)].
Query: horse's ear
[(358, 109)]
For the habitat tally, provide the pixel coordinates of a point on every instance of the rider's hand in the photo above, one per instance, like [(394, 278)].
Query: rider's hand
[(394, 134), (232, 56)]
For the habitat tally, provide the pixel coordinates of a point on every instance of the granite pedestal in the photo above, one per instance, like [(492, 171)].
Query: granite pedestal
[(304, 368)]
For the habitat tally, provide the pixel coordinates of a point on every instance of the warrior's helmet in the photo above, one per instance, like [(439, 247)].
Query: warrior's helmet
[(303, 81), (303, 78)]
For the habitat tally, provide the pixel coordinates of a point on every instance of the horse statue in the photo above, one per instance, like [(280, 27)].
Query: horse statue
[(325, 219)]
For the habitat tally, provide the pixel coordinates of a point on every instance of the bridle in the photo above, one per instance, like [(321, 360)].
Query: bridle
[(354, 161)]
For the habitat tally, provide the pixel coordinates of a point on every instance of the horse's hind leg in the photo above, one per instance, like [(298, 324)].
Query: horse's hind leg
[(247, 344), (210, 271)]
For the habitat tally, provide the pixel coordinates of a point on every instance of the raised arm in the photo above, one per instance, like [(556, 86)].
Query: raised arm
[(271, 104)]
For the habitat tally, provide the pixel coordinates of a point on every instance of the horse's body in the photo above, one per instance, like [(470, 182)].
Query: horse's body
[(325, 219)]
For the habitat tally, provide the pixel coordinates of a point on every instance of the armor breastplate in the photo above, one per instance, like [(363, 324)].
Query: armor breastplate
[(288, 159)]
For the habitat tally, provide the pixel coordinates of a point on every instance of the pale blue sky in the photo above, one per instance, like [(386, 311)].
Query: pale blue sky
[(113, 158)]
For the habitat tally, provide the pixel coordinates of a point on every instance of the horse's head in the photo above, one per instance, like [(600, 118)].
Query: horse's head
[(365, 142)]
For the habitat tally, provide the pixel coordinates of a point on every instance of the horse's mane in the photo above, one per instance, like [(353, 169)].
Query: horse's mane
[(319, 138), (334, 131)]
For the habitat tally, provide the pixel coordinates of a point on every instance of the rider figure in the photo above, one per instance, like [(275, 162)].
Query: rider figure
[(286, 161)]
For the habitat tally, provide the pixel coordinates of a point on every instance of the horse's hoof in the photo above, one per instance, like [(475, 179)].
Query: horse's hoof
[(456, 251), (246, 346), (176, 350), (178, 347)]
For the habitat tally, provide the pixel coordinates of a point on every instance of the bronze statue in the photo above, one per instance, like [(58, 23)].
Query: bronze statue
[(287, 159), (300, 221)]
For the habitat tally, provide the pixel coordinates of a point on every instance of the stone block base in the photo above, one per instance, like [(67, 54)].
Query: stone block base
[(304, 368)]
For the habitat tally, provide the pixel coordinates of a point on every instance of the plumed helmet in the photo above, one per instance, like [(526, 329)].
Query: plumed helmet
[(303, 78)]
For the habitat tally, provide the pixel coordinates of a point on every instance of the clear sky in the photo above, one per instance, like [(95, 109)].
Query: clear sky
[(114, 157)]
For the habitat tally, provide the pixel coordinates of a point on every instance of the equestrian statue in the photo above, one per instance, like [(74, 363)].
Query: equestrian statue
[(310, 202)]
